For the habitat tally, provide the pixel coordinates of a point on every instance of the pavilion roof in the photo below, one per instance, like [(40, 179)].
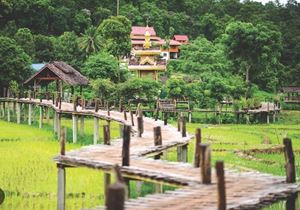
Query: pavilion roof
[(58, 70)]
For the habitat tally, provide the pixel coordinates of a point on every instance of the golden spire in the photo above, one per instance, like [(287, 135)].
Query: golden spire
[(147, 43)]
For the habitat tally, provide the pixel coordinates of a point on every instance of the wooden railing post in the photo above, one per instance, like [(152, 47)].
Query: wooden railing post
[(96, 105), (205, 157), (157, 139), (106, 134), (96, 130), (179, 122), (116, 193), (125, 115), (221, 185), (126, 145), (132, 118), (289, 161), (197, 148), (165, 118)]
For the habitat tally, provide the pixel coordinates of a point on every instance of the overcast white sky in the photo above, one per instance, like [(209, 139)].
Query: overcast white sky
[(281, 1)]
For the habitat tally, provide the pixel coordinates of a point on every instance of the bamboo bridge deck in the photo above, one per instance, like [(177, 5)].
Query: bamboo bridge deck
[(244, 190)]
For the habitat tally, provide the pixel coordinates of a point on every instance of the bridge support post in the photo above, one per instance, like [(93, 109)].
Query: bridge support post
[(179, 122), (158, 188), (96, 130), (205, 157), (190, 116), (58, 124), (61, 175), (47, 111), (197, 148), (8, 111), (75, 127), (29, 114), (18, 107), (41, 117), (182, 153), (107, 182), (82, 126), (3, 109)]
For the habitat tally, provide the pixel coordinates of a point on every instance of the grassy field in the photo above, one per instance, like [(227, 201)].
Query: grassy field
[(29, 176)]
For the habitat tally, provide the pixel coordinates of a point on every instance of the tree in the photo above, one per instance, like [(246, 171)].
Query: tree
[(67, 49), (176, 88), (104, 89), (14, 62), (200, 56), (90, 41), (101, 65), (140, 88), (44, 48), (254, 49), (82, 21), (25, 39), (115, 32)]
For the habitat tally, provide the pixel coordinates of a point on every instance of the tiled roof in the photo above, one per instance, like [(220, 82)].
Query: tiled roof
[(141, 30), (181, 38)]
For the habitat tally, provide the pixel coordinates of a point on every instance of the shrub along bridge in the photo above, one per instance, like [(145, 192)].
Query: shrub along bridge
[(200, 185)]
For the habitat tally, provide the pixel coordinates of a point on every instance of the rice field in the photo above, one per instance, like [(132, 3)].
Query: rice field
[(28, 174)]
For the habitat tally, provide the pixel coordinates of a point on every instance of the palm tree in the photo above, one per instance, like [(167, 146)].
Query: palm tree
[(90, 42)]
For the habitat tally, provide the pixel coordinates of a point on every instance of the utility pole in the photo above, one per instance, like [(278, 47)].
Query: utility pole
[(118, 7)]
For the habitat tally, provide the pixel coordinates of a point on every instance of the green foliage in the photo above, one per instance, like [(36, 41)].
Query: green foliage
[(115, 33), (102, 65), (201, 56), (14, 62), (90, 41), (104, 89), (140, 88), (44, 48), (255, 51), (67, 49), (25, 39)]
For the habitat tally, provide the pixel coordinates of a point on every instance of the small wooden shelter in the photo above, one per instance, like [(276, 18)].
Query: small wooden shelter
[(292, 94), (61, 73)]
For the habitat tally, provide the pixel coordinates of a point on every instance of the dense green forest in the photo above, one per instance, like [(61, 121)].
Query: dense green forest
[(236, 47)]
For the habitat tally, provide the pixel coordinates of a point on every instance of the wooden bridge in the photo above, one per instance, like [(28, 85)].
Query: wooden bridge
[(200, 186)]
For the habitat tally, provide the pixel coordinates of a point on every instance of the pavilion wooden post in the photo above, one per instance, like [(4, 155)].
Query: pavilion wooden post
[(221, 185), (205, 157), (81, 126), (289, 161), (157, 139), (29, 114), (132, 118), (197, 148), (106, 134), (183, 124), (41, 117), (75, 127), (96, 130), (165, 118), (126, 145), (61, 175), (58, 124), (18, 113)]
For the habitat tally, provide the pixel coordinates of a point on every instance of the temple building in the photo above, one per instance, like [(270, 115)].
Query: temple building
[(150, 53), (170, 49), (145, 59)]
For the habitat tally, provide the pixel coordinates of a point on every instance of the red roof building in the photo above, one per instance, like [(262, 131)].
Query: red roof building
[(184, 39)]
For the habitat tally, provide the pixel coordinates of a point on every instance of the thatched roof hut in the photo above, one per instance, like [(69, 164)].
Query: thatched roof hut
[(57, 71)]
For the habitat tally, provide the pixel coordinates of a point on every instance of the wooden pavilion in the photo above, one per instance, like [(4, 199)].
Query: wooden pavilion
[(292, 94), (61, 73)]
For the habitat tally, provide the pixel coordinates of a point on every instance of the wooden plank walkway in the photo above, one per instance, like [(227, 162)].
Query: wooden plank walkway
[(245, 190)]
